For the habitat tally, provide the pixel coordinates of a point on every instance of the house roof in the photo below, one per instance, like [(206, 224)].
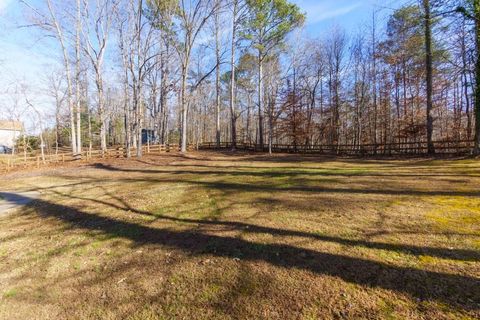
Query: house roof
[(11, 125)]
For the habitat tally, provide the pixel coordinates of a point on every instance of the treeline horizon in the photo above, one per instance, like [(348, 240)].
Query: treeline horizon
[(241, 71)]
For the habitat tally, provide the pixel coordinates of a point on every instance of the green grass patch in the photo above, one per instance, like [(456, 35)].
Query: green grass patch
[(11, 293)]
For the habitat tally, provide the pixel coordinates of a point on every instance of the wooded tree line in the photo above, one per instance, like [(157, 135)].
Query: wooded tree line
[(194, 71)]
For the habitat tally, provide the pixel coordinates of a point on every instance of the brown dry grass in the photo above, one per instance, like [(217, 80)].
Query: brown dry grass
[(215, 236)]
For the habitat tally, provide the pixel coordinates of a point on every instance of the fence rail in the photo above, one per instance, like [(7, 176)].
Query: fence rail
[(14, 162), (391, 149)]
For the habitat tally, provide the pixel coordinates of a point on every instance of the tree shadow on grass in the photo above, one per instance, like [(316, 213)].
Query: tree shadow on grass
[(454, 254), (458, 291), (275, 172), (301, 185), (234, 188), (445, 253), (279, 157), (321, 171)]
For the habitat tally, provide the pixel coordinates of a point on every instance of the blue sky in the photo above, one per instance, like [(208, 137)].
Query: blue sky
[(21, 49), (25, 57), (348, 14)]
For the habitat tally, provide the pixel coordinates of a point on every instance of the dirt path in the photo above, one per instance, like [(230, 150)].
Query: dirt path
[(10, 201)]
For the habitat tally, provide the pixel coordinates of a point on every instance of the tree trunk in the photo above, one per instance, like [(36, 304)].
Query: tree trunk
[(374, 84), (184, 108), (271, 105), (248, 137), (260, 100), (101, 113), (233, 116), (57, 121), (217, 80), (77, 82), (66, 62), (429, 77), (476, 8), (139, 116), (163, 95), (127, 122), (90, 134), (465, 81)]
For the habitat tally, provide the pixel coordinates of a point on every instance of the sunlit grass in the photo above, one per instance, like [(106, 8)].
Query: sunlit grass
[(240, 237)]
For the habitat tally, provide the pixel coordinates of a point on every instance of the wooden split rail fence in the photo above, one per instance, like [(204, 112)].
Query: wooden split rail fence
[(391, 149), (13, 162)]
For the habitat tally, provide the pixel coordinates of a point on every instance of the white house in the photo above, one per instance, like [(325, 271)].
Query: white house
[(9, 132)]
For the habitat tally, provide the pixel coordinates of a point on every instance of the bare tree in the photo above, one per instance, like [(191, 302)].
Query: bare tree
[(56, 90), (335, 50), (238, 17), (51, 23), (78, 31), (183, 32), (217, 73), (41, 127), (100, 20)]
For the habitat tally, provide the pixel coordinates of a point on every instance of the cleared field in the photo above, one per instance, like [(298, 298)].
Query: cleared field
[(217, 236)]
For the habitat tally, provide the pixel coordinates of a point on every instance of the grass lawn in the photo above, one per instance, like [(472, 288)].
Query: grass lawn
[(216, 236)]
